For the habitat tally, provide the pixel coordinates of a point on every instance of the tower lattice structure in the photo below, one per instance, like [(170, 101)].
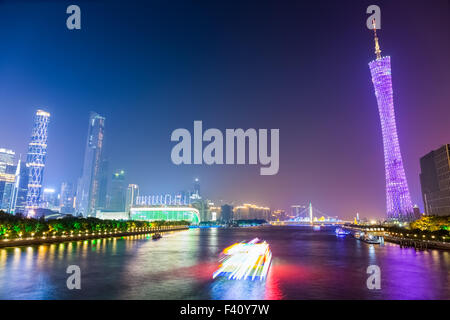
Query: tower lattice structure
[(398, 199), (37, 152)]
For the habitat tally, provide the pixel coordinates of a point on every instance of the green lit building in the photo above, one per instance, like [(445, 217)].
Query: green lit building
[(176, 213)]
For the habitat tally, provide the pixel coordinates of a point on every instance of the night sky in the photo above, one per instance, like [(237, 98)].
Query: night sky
[(151, 67)]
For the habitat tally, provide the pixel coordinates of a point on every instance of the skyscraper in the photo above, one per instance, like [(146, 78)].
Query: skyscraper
[(196, 193), (398, 199), (7, 180), (6, 159), (66, 201), (118, 191), (226, 213), (132, 194), (49, 199), (21, 188), (298, 211), (435, 181), (102, 202), (89, 183), (37, 153)]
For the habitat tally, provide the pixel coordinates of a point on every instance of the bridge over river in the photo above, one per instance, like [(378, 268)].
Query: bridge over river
[(310, 215)]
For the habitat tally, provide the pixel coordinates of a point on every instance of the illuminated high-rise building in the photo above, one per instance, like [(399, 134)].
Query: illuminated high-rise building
[(398, 199), (102, 198), (7, 180), (435, 181), (66, 200), (50, 199), (226, 213), (251, 211), (20, 189), (132, 194), (118, 191), (37, 153), (298, 211), (196, 193), (87, 199), (6, 159)]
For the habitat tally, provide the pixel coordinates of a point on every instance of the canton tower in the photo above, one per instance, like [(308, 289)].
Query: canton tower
[(398, 199)]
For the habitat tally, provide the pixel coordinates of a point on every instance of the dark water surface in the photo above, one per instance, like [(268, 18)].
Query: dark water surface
[(306, 264)]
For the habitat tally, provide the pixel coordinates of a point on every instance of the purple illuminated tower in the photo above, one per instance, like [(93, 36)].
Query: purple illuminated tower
[(398, 199)]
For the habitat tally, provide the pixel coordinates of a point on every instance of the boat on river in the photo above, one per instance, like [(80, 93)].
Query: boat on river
[(340, 232), (245, 260), (156, 236)]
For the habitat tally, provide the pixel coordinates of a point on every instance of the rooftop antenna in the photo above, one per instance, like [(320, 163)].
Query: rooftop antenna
[(377, 45)]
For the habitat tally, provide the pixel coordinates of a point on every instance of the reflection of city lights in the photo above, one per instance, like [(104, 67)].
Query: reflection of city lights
[(243, 260)]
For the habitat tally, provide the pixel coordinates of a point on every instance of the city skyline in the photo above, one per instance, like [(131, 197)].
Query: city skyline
[(143, 149)]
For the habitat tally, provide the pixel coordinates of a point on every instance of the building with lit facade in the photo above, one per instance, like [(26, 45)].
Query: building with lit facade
[(169, 199), (88, 190), (118, 191), (203, 206), (215, 212), (298, 211), (166, 213), (50, 199), (251, 211), (7, 158), (36, 157), (279, 215), (20, 189), (112, 215), (131, 197), (398, 200), (226, 213), (7, 180), (103, 199), (196, 193), (67, 198), (435, 181)]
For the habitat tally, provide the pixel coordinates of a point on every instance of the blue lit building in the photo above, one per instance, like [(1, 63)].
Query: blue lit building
[(7, 180), (88, 190), (37, 153), (21, 188)]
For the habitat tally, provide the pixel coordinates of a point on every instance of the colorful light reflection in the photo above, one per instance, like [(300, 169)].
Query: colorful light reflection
[(245, 260)]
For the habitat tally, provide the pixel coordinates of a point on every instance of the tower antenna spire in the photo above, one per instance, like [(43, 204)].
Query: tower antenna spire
[(377, 45)]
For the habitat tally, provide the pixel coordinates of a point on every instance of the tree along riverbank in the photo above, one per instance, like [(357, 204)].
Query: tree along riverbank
[(86, 236)]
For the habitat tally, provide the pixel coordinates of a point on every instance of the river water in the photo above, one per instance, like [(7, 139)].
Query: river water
[(306, 264)]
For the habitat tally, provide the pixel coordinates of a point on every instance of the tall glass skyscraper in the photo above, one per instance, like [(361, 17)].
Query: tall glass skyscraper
[(89, 183), (21, 189), (37, 153), (66, 198), (398, 199), (118, 191), (132, 194), (7, 180)]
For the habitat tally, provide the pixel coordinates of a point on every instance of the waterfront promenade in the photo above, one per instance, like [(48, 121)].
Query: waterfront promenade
[(86, 236)]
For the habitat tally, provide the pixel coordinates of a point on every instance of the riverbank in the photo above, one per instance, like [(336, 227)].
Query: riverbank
[(94, 235), (418, 244)]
